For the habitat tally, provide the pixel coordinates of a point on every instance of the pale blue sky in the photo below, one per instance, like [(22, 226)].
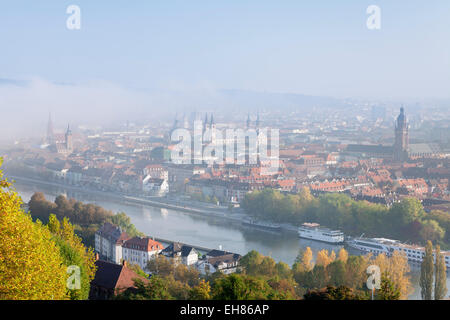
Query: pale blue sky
[(319, 47)]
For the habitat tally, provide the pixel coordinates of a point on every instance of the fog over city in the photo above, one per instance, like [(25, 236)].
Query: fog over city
[(153, 60)]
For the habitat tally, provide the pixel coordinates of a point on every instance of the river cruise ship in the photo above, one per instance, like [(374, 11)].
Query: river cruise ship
[(314, 231), (377, 246), (262, 225)]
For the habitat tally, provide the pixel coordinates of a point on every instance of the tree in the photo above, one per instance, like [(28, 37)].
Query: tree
[(283, 270), (397, 272), (250, 262), (426, 273), (188, 275), (303, 262), (74, 253), (343, 255), (202, 291), (137, 269), (336, 272), (161, 266), (177, 289), (241, 287), (443, 218), (122, 220), (31, 267), (332, 293), (231, 287), (395, 269), (267, 267), (355, 271), (440, 284), (324, 259), (388, 290), (155, 289), (431, 231)]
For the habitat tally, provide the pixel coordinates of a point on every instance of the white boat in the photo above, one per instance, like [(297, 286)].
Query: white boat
[(314, 231), (262, 225), (377, 246)]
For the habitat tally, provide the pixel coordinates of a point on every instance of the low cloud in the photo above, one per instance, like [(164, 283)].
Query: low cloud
[(24, 105)]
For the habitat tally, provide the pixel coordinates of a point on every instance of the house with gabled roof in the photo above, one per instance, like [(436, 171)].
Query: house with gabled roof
[(112, 279), (182, 253), (108, 242), (217, 260), (140, 250)]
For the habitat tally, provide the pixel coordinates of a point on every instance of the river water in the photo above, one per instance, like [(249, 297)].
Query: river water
[(199, 230)]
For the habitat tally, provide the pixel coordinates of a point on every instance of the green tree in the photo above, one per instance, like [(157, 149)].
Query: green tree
[(426, 273), (231, 287), (431, 231), (388, 290), (303, 262), (332, 293), (250, 262), (137, 269), (74, 253), (440, 285), (202, 291), (122, 220), (336, 272), (283, 270), (241, 287), (154, 289)]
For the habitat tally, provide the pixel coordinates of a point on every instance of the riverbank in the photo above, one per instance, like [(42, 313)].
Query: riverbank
[(236, 215)]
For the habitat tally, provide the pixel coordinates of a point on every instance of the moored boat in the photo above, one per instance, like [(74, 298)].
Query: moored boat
[(377, 246), (314, 231), (262, 224)]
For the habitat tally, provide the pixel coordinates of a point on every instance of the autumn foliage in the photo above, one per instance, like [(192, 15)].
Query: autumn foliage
[(30, 264)]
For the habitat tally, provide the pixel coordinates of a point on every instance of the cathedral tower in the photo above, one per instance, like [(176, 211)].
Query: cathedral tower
[(69, 142), (401, 137)]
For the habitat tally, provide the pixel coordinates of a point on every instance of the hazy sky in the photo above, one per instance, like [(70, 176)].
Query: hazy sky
[(319, 47)]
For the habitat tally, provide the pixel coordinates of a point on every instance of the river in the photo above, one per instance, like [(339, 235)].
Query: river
[(200, 230)]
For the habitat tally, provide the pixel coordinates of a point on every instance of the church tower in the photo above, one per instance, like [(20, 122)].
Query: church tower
[(212, 127), (401, 137), (69, 143)]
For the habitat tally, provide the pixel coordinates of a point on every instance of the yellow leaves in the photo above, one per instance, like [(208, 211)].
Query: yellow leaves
[(343, 255), (396, 268), (307, 259), (324, 259), (30, 264)]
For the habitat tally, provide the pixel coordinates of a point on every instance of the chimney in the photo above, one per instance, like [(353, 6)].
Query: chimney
[(97, 256), (124, 263)]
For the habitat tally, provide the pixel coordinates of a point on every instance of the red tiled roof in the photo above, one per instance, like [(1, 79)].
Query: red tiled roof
[(143, 244)]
